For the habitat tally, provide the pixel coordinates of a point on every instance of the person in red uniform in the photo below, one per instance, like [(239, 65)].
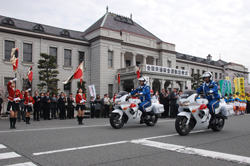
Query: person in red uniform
[(80, 107), (13, 102), (28, 103)]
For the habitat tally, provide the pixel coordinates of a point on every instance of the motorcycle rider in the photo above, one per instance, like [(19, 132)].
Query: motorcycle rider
[(144, 91), (212, 94)]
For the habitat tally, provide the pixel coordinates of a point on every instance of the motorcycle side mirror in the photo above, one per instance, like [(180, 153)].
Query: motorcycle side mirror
[(210, 86)]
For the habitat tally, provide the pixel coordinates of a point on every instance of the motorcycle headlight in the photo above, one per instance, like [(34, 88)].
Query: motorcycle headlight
[(118, 103), (185, 103)]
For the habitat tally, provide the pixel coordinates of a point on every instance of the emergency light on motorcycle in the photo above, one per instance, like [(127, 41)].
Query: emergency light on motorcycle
[(132, 105), (203, 106)]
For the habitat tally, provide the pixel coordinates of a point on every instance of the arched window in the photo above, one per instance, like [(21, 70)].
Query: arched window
[(65, 33)]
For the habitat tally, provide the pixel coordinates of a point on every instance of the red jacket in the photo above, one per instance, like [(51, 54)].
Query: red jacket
[(13, 93), (28, 99), (79, 98)]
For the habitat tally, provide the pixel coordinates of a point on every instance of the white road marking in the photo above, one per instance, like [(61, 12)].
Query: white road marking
[(72, 127), (24, 164), (9, 155), (2, 146), (194, 151), (78, 148), (105, 144)]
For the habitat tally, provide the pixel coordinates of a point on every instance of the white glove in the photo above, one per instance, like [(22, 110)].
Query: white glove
[(82, 101), (14, 79), (29, 103), (16, 99), (29, 89), (211, 91), (141, 94), (129, 95)]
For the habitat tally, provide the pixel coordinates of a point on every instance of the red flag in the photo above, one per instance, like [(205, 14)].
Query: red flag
[(14, 58), (137, 71), (78, 74), (118, 78), (30, 74)]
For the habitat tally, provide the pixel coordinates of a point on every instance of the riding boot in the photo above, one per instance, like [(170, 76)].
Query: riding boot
[(14, 123), (28, 120), (78, 118), (81, 120), (212, 120), (11, 120)]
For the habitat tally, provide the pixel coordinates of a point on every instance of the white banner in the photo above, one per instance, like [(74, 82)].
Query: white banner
[(92, 91), (160, 69)]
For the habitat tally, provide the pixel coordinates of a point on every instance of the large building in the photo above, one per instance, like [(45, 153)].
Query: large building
[(113, 44)]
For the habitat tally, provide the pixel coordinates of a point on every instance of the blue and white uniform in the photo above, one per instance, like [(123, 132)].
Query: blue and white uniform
[(213, 98), (145, 96)]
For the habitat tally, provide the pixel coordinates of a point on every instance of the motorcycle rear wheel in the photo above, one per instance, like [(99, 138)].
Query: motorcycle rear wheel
[(115, 122), (153, 120), (219, 125), (181, 127)]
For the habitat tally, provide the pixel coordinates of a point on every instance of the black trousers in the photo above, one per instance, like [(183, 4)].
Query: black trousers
[(92, 112), (69, 111), (36, 113), (106, 111), (53, 111), (62, 113), (97, 113), (172, 110)]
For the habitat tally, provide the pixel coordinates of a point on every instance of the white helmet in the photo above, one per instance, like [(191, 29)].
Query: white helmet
[(207, 74), (142, 79)]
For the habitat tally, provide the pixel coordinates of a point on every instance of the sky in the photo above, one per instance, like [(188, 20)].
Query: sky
[(196, 27)]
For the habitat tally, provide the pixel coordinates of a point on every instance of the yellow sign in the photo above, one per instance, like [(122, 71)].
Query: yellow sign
[(227, 78), (242, 88), (235, 85)]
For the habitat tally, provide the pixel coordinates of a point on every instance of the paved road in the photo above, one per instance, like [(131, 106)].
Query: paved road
[(63, 142)]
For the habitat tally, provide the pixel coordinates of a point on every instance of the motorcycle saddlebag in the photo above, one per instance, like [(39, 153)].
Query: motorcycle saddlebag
[(227, 110), (158, 108)]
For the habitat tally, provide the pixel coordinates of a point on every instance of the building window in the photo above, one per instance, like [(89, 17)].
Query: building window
[(67, 88), (80, 57), (67, 57), (27, 52), (198, 72), (220, 77), (192, 72), (203, 71), (138, 63), (169, 64), (182, 68), (6, 80), (7, 49), (110, 90), (53, 52), (177, 67), (216, 76), (128, 63), (110, 59)]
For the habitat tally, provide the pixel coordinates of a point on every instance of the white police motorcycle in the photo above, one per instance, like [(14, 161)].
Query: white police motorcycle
[(127, 111), (194, 114)]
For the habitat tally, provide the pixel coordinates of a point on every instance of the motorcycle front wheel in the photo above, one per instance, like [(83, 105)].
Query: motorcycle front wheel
[(115, 122), (219, 124), (181, 127), (153, 120)]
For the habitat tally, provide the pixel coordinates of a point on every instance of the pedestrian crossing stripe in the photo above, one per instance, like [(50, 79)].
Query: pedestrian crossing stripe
[(23, 164), (9, 155), (2, 146)]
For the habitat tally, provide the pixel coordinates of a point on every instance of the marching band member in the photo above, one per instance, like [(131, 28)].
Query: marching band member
[(13, 102), (80, 101), (28, 103)]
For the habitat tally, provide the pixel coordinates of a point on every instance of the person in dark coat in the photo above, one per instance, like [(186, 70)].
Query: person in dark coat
[(53, 106), (70, 108), (1, 102), (162, 101), (173, 98), (92, 106), (46, 106), (36, 106), (61, 105), (41, 104), (98, 106)]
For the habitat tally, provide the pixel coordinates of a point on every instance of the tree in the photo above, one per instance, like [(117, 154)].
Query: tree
[(82, 86), (48, 74), (196, 81)]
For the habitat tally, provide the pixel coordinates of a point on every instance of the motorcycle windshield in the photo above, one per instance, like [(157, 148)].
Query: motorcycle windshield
[(187, 93), (120, 94)]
